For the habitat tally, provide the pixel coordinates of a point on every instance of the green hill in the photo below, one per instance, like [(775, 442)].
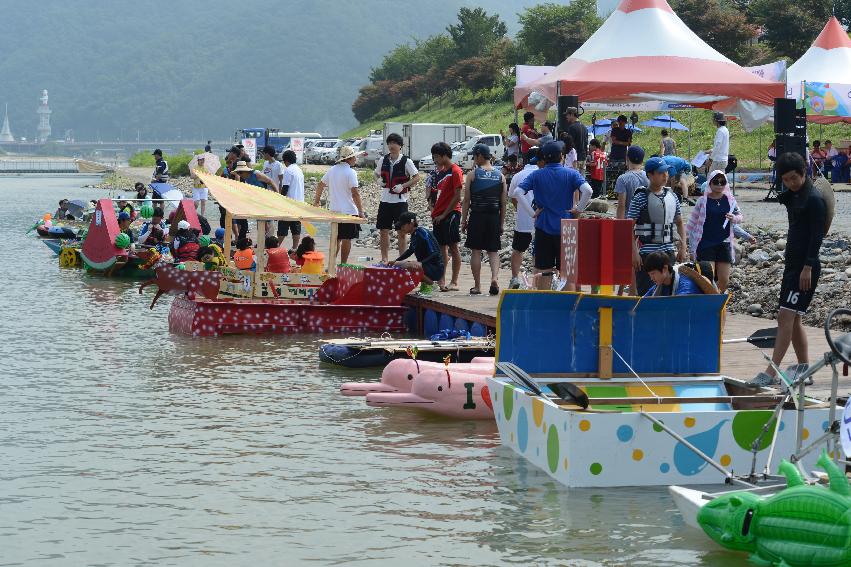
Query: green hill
[(750, 148)]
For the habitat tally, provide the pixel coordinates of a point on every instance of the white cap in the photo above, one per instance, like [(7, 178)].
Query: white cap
[(183, 225)]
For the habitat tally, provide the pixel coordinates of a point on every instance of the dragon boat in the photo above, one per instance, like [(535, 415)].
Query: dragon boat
[(227, 300), (601, 390)]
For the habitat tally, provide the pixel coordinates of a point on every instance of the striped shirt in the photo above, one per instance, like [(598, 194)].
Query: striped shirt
[(638, 204)]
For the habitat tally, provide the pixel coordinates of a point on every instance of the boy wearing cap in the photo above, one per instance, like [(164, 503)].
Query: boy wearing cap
[(161, 170), (656, 212), (124, 225), (426, 250), (554, 186), (483, 216), (398, 174), (344, 197), (632, 179)]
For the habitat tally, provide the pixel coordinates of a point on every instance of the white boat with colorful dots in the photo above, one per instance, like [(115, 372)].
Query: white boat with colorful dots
[(621, 391)]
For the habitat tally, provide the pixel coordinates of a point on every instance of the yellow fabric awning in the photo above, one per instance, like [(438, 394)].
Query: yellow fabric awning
[(244, 201)]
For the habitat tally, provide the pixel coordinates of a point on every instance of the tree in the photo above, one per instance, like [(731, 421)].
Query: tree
[(790, 27), (476, 32), (475, 73), (721, 26), (550, 33)]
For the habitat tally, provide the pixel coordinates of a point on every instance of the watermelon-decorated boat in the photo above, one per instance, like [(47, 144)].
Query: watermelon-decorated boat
[(345, 298)]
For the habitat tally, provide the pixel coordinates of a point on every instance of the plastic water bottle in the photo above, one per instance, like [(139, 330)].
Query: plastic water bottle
[(365, 258)]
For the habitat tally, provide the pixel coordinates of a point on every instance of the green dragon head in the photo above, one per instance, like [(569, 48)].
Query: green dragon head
[(727, 520)]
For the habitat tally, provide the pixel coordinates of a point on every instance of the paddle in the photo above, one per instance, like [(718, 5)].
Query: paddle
[(567, 392), (763, 338)]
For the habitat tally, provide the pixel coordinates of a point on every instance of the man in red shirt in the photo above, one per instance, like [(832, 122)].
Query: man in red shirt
[(446, 213), (527, 134)]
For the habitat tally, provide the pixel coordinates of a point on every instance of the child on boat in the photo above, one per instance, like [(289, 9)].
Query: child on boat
[(153, 231), (277, 259), (424, 246), (243, 258), (185, 245), (124, 225), (681, 279), (125, 207), (306, 245)]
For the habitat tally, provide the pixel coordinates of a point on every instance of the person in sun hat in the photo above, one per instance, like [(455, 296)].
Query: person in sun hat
[(425, 248), (344, 197), (249, 175)]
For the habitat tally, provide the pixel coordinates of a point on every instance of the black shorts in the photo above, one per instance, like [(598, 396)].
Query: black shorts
[(547, 250), (433, 270), (791, 296), (347, 231), (483, 232), (388, 213), (285, 226), (448, 231), (521, 241), (718, 253)]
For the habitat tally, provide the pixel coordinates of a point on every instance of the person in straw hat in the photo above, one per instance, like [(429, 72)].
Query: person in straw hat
[(342, 183), (249, 175)]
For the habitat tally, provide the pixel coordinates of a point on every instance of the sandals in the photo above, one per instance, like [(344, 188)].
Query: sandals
[(474, 291), (494, 289), (449, 287)]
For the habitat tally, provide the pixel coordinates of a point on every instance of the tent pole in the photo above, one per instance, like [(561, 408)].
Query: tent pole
[(689, 133), (332, 251), (228, 235), (260, 260)]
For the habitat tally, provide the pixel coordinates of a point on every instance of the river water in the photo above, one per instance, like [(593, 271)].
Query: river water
[(121, 444)]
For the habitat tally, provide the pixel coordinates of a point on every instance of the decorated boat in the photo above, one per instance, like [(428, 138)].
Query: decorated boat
[(367, 352), (344, 298), (109, 252)]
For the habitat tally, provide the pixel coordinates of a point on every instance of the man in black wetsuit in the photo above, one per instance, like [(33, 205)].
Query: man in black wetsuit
[(807, 221), (424, 246)]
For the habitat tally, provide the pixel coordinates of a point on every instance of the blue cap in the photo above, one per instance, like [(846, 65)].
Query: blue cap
[(635, 154), (551, 152), (482, 150), (654, 164), (123, 215), (533, 161), (220, 233)]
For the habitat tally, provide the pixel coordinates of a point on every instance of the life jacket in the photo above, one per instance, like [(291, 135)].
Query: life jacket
[(188, 251), (395, 175), (243, 259), (655, 224), (279, 261)]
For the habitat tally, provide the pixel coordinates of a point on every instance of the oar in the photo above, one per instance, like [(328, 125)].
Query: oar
[(763, 338), (567, 392)]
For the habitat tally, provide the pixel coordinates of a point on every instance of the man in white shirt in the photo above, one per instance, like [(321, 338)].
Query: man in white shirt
[(720, 151), (344, 197), (292, 186), (398, 175), (273, 170), (524, 227)]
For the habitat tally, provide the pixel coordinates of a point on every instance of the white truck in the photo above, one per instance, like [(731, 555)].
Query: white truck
[(420, 137)]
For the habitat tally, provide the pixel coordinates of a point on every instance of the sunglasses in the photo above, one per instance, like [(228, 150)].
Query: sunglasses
[(718, 182)]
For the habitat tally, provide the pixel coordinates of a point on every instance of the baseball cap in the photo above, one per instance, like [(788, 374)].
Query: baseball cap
[(635, 154), (655, 164), (482, 150), (123, 215), (183, 225), (551, 152), (220, 233), (533, 161), (405, 218)]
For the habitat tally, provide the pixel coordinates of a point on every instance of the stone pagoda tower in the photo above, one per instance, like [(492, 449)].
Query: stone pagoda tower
[(43, 119), (6, 133)]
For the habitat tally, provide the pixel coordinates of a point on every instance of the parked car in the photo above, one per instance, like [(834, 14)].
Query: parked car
[(329, 156), (427, 164), (494, 141), (311, 155), (370, 151)]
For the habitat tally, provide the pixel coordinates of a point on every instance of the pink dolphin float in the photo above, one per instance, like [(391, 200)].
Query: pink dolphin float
[(399, 374), (456, 394)]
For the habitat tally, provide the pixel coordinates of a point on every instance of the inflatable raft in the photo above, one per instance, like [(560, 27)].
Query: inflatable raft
[(364, 353)]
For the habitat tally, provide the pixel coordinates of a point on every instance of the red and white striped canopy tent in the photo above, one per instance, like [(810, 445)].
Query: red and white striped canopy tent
[(828, 60), (644, 52)]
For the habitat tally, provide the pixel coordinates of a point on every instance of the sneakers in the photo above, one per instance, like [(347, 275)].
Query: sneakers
[(514, 283), (795, 370), (425, 290), (763, 380)]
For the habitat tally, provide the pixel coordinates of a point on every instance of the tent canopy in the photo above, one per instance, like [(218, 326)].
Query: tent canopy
[(245, 201), (644, 52)]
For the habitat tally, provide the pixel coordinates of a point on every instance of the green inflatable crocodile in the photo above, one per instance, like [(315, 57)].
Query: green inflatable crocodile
[(802, 525)]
